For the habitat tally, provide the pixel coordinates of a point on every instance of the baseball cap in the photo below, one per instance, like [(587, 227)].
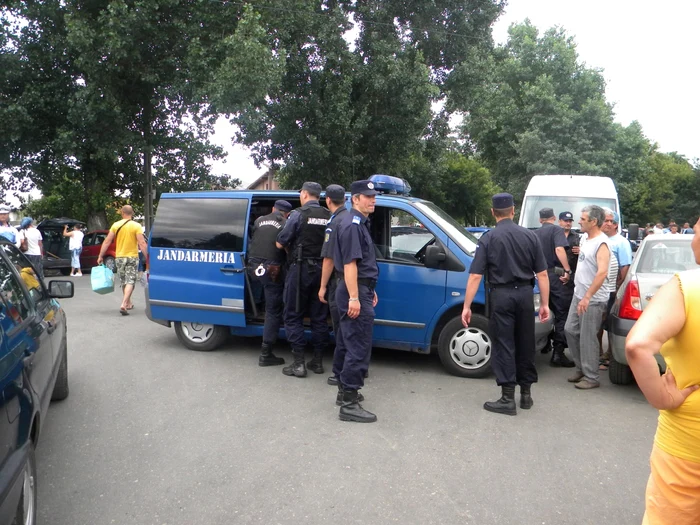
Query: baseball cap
[(363, 187), (283, 205), (566, 216), (335, 192), (26, 222), (546, 213)]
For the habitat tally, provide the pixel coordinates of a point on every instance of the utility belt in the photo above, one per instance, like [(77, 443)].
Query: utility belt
[(369, 283), (259, 268), (513, 284), (311, 261)]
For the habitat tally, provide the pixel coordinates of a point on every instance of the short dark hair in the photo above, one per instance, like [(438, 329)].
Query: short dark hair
[(338, 202), (501, 213)]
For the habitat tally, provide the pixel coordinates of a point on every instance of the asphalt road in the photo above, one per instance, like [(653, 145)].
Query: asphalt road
[(153, 433)]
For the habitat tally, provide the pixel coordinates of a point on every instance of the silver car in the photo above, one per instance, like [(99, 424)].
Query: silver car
[(659, 257)]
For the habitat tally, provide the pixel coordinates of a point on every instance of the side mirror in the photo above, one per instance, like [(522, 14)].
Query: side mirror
[(434, 255), (61, 289), (633, 232)]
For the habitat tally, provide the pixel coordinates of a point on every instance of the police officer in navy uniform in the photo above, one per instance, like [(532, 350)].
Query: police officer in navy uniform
[(355, 262), (302, 237), (566, 220), (510, 256), (554, 243), (335, 200), (266, 265)]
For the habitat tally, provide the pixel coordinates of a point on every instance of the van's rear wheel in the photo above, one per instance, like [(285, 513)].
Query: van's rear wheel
[(466, 352), (201, 337)]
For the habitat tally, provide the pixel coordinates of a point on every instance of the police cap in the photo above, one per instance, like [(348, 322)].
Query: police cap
[(283, 206), (363, 187), (546, 213), (314, 188), (335, 192), (566, 216), (501, 201)]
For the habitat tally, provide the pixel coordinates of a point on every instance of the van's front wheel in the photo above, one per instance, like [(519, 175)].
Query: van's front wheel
[(201, 337), (466, 352)]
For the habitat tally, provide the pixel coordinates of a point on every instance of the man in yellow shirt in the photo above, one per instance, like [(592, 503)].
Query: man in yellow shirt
[(129, 240)]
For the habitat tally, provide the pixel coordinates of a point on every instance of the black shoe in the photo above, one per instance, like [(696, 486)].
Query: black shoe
[(547, 347), (559, 359), (526, 401), (267, 358), (351, 410), (339, 398), (316, 365), (297, 368), (332, 380), (505, 405)]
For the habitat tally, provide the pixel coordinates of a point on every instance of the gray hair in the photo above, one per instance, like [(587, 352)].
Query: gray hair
[(595, 212)]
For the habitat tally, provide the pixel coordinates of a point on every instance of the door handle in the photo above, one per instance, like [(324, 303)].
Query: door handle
[(225, 269)]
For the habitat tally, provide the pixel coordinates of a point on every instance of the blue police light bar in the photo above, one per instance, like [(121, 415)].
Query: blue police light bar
[(390, 184)]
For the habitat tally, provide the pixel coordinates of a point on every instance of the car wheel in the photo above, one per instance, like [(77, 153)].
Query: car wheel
[(201, 337), (620, 374), (60, 389), (109, 263), (466, 352), (26, 510)]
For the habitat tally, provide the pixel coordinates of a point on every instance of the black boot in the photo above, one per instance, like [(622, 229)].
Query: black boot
[(339, 398), (297, 368), (316, 363), (267, 358), (505, 405), (351, 410), (559, 359), (525, 397), (332, 380)]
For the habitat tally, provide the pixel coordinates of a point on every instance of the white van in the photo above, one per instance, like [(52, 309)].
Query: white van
[(566, 193)]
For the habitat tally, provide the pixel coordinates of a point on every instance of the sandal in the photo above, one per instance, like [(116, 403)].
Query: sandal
[(123, 311), (604, 364)]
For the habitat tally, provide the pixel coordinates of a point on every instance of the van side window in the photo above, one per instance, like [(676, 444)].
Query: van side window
[(204, 224), (399, 236)]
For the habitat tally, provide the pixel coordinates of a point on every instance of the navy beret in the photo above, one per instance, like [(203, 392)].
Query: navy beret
[(335, 192), (363, 187), (283, 205), (502, 201)]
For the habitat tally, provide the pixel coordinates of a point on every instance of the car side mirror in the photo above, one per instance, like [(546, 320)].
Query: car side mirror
[(434, 255), (61, 289)]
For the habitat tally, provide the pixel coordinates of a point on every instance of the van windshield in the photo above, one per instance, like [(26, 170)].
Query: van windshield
[(451, 227), (530, 212)]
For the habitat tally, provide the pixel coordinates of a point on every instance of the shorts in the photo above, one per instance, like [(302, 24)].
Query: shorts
[(127, 269), (673, 490), (75, 258)]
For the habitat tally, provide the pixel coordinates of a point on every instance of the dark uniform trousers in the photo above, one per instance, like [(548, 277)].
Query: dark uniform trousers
[(333, 306), (318, 312), (560, 296), (274, 298), (512, 329), (353, 347)]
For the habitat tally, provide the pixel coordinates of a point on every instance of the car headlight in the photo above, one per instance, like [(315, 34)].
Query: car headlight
[(537, 300)]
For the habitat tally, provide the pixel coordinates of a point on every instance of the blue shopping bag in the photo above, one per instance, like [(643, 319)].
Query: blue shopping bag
[(102, 279)]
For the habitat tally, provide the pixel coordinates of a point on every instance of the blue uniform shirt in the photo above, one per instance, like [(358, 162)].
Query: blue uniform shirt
[(354, 243), (329, 240), (291, 229)]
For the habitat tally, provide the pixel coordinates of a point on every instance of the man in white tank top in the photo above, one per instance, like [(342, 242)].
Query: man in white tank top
[(590, 299)]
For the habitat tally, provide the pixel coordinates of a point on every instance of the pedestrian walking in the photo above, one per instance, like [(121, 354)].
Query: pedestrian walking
[(355, 262), (553, 241), (34, 243), (670, 326), (75, 246), (590, 300), (129, 238), (302, 237), (335, 201), (510, 256), (266, 264)]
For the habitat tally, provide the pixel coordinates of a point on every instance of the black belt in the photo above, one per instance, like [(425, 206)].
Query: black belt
[(514, 284), (370, 283)]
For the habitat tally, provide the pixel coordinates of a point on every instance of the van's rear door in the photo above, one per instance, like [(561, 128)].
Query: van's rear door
[(196, 258)]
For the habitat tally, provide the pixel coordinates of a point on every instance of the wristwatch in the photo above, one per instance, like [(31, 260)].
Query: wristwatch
[(567, 272)]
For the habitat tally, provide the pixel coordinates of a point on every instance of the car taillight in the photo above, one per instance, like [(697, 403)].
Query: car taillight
[(631, 305)]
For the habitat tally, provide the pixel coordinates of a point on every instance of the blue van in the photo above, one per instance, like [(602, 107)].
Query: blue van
[(197, 282)]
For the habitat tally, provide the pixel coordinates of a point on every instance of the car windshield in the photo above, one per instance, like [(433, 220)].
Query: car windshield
[(661, 256), (530, 213), (451, 227)]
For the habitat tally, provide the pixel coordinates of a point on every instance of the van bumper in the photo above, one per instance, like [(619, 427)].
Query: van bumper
[(148, 309)]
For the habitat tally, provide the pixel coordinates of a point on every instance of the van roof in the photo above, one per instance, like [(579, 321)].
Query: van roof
[(581, 185), (229, 194)]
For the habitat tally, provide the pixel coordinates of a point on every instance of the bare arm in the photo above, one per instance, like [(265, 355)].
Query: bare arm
[(326, 271), (350, 271), (469, 294), (105, 246), (563, 259), (662, 319), (141, 240), (603, 259), (66, 233), (622, 273)]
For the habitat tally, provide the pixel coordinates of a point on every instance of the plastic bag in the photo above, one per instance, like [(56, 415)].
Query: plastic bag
[(102, 279)]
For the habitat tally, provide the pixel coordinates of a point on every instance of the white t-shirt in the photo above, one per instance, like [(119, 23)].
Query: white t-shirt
[(33, 237), (76, 240)]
